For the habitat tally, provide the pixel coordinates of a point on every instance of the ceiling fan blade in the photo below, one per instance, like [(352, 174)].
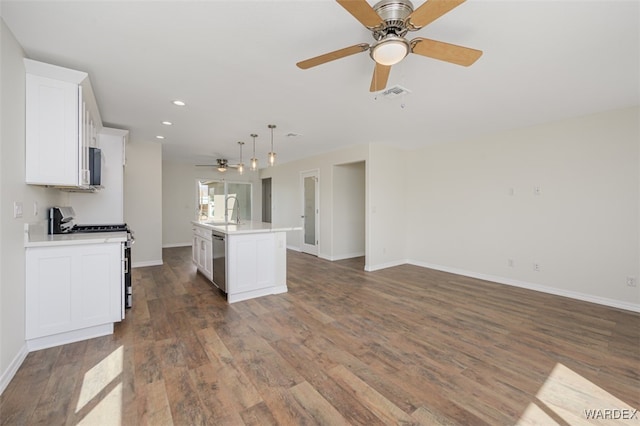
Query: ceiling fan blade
[(430, 11), (206, 165), (380, 77), (363, 12), (455, 54), (332, 56)]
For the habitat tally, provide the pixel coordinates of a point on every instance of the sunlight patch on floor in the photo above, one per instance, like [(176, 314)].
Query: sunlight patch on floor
[(100, 376), (574, 400), (107, 412)]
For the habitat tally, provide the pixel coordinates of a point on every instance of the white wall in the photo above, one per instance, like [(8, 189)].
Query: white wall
[(13, 189), (349, 189), (388, 207), (179, 198), (143, 200), (582, 228), (105, 206), (287, 194)]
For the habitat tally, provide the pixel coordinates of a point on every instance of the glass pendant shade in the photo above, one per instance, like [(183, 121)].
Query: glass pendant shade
[(241, 165), (272, 154), (254, 160)]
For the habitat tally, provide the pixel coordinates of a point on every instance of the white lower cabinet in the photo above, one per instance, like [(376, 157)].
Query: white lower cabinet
[(201, 251), (256, 265), (73, 292)]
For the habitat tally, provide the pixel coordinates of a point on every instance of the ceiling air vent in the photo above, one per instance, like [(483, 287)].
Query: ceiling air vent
[(394, 92)]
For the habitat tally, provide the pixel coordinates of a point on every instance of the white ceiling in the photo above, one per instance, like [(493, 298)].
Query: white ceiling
[(233, 62)]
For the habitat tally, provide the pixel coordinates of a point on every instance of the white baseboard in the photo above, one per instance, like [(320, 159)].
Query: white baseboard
[(371, 268), (347, 256), (15, 364), (147, 263), (536, 287), (69, 337), (239, 297), (294, 248), (172, 245)]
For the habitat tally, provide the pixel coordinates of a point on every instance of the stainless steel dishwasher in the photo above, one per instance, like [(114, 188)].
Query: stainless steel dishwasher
[(219, 260)]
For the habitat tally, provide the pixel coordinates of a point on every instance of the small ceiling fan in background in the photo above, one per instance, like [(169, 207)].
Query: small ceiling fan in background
[(389, 21), (221, 164)]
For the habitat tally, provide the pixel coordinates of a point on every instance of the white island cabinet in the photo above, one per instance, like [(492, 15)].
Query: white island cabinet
[(74, 287), (255, 256)]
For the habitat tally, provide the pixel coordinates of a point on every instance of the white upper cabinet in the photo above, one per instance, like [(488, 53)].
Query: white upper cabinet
[(62, 122)]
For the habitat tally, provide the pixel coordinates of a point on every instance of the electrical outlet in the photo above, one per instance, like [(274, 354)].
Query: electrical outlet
[(536, 267), (631, 281), (537, 190), (510, 263)]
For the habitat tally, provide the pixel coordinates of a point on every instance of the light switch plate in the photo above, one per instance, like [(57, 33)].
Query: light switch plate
[(17, 209)]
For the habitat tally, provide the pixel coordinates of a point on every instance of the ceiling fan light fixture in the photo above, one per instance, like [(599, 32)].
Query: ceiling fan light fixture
[(390, 50)]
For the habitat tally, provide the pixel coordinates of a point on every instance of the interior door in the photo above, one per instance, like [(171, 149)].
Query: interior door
[(310, 211)]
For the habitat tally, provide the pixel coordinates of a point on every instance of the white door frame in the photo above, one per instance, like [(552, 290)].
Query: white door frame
[(304, 247)]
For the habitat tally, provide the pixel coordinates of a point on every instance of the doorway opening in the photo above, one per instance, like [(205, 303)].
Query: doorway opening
[(266, 200), (349, 211)]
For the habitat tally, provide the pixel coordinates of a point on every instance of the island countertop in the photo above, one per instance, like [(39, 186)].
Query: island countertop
[(245, 227)]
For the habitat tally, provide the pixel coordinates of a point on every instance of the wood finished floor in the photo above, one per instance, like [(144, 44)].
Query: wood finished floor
[(404, 345)]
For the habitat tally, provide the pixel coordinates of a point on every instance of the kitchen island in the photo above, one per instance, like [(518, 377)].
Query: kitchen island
[(245, 260)]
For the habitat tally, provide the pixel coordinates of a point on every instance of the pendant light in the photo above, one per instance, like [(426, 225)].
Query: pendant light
[(272, 154), (254, 160), (241, 164)]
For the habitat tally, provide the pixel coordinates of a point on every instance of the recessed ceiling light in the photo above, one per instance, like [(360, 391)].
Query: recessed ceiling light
[(167, 123), (159, 137), (179, 103)]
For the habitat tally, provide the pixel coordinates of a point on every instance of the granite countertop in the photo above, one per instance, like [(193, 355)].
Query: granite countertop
[(245, 227)]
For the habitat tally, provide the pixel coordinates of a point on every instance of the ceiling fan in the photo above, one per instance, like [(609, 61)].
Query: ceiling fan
[(221, 164), (389, 21)]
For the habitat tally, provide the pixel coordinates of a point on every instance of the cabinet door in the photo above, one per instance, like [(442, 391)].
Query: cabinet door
[(207, 262), (72, 287), (250, 262), (49, 291), (52, 127), (195, 249), (99, 285)]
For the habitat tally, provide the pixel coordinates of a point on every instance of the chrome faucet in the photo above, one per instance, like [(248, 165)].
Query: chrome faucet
[(226, 209)]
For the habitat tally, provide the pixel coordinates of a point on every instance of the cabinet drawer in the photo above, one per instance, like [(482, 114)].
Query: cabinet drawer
[(204, 233)]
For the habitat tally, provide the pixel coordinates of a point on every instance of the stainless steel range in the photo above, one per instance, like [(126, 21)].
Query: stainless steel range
[(61, 222)]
